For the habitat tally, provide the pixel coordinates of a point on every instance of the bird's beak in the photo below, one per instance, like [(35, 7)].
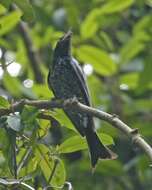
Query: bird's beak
[(67, 36), (63, 47)]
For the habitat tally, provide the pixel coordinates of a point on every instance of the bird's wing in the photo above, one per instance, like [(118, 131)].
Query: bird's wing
[(83, 84)]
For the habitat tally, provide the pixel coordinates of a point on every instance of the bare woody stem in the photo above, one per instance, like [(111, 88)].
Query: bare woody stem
[(133, 134), (32, 53)]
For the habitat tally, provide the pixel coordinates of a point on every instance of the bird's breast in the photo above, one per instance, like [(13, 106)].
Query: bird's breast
[(64, 81)]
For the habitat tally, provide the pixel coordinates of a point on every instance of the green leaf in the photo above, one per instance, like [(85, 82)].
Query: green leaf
[(12, 84), (143, 23), (130, 79), (73, 144), (2, 9), (145, 77), (26, 8), (106, 139), (137, 41), (134, 46), (116, 6), (29, 114), (89, 26), (6, 3), (4, 103), (76, 143), (29, 167), (61, 117), (91, 23), (42, 91), (47, 164), (100, 60), (4, 43), (8, 22), (59, 176), (107, 40), (15, 87), (41, 155), (29, 121), (14, 122)]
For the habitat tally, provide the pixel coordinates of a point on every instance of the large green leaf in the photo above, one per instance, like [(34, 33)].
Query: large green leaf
[(47, 164), (73, 144), (100, 60), (76, 143), (90, 25), (138, 40), (134, 46), (8, 22), (59, 176)]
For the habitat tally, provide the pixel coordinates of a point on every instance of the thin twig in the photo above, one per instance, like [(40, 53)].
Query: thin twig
[(14, 182), (112, 119), (6, 65), (26, 185), (24, 159)]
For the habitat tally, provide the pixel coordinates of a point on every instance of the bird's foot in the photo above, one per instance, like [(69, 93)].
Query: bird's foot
[(70, 101)]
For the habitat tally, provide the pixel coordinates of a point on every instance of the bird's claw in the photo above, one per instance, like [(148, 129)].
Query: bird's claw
[(70, 101)]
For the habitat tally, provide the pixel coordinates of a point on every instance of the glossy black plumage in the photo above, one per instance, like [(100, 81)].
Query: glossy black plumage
[(66, 79)]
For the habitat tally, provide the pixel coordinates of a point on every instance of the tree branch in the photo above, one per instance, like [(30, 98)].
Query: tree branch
[(75, 105), (31, 50)]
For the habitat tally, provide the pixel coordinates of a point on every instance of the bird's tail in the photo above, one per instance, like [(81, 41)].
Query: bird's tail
[(97, 149)]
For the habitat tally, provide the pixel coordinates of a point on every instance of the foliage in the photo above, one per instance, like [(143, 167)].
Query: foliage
[(114, 39)]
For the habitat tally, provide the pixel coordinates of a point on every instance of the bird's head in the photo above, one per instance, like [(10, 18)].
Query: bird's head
[(63, 46)]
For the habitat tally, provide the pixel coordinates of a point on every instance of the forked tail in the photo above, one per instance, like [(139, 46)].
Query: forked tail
[(97, 149)]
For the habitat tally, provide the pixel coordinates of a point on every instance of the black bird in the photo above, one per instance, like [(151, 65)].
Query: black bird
[(66, 79)]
